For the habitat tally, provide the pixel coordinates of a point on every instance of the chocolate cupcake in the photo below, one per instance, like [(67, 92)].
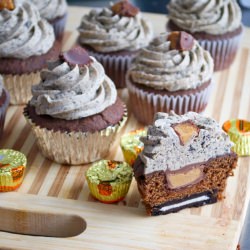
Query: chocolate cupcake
[(26, 43), (114, 35), (173, 73), (185, 162), (215, 24), (4, 103), (55, 12), (75, 113)]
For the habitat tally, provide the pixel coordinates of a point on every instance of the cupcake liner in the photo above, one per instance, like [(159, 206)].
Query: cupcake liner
[(59, 26), (223, 51), (75, 148), (3, 110), (146, 104), (115, 66), (109, 192), (19, 86)]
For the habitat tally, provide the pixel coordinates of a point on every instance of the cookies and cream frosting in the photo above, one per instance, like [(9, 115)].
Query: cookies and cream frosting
[(69, 92), (23, 33), (214, 17), (163, 149), (160, 67), (105, 31), (51, 9)]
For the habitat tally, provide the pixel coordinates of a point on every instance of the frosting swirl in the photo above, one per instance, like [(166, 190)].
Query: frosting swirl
[(51, 9), (23, 33), (71, 92), (211, 16), (106, 32), (160, 67), (163, 150)]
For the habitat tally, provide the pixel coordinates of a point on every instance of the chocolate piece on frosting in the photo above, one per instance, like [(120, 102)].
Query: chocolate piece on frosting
[(181, 41), (125, 8), (7, 4), (76, 56), (186, 131)]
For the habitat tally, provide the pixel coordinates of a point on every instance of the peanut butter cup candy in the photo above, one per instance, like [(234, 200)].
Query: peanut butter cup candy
[(114, 35), (75, 113), (173, 73), (215, 24), (26, 42), (185, 162)]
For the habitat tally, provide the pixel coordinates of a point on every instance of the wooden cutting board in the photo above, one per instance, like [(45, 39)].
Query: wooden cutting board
[(54, 188)]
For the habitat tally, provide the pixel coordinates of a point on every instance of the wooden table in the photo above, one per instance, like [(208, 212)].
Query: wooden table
[(125, 225)]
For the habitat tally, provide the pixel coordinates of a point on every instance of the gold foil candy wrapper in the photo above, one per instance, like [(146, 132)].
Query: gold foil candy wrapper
[(109, 191), (11, 169), (130, 152), (239, 133), (19, 86)]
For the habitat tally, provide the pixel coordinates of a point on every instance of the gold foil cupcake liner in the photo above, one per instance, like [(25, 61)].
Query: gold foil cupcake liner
[(108, 192), (145, 104), (19, 86), (75, 148), (239, 133)]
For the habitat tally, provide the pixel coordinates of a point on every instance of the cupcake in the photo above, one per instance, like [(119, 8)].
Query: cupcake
[(4, 103), (109, 181), (26, 43), (131, 145), (173, 73), (114, 35), (55, 12), (185, 162), (12, 167), (75, 113), (215, 24)]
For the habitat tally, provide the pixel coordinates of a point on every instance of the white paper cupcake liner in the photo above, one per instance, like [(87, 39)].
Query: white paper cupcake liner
[(223, 51), (19, 86), (115, 66), (75, 148), (145, 105)]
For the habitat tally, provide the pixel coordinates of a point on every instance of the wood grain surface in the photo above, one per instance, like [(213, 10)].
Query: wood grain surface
[(215, 226)]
